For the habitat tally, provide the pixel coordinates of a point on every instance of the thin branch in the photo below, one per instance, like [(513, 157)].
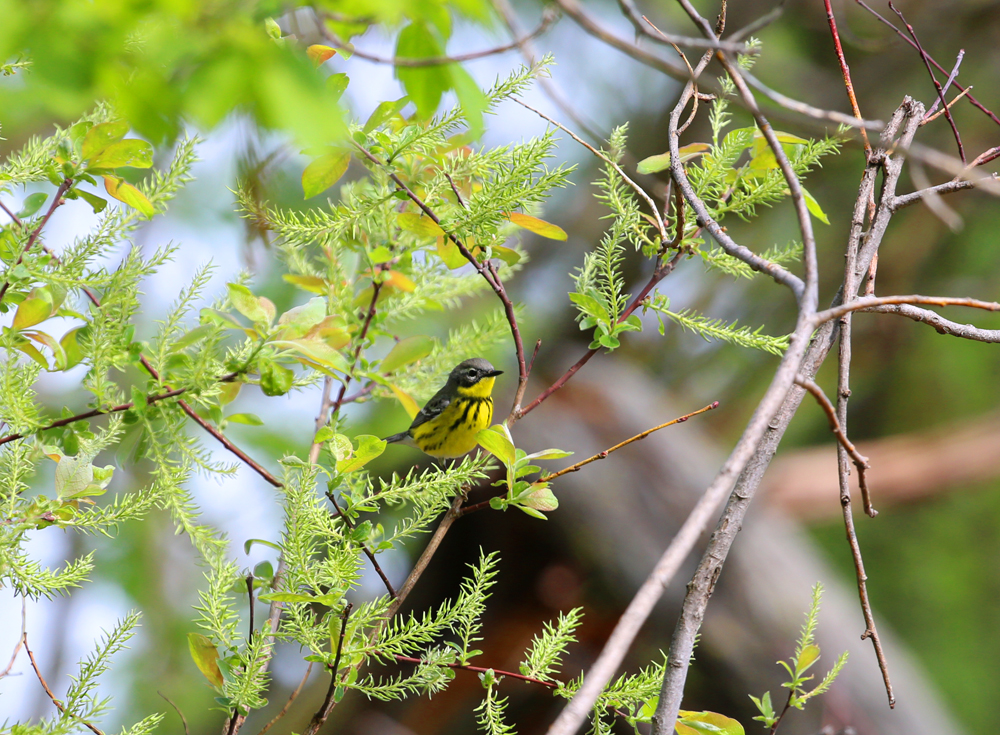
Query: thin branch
[(939, 113), (618, 169), (364, 547), (633, 16), (946, 188), (20, 639), (637, 437), (846, 71), (56, 202), (329, 703), (937, 84), (483, 670), (177, 709), (959, 87), (549, 17), (45, 686), (868, 302), (486, 270), (428, 553), (942, 325), (291, 698), (930, 114), (860, 461)]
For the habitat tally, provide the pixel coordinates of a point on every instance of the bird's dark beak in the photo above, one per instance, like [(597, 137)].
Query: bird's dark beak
[(494, 373)]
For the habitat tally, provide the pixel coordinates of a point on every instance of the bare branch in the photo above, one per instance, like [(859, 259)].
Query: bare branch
[(948, 187), (942, 325), (868, 302), (329, 702)]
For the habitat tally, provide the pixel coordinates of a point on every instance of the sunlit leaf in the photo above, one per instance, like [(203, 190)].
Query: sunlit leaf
[(399, 280), (125, 192), (661, 162), (101, 136), (384, 111), (133, 152), (540, 498), (409, 405), (418, 224), (307, 283), (32, 311), (32, 204), (369, 447), (450, 254), (406, 351), (250, 419), (324, 172), (539, 226), (244, 301), (707, 723), (206, 658), (318, 53), (494, 440), (813, 206)]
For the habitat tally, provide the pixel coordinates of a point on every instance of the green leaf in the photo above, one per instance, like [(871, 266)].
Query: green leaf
[(96, 203), (369, 447), (424, 85), (807, 657), (707, 723), (275, 379), (125, 192), (813, 206), (133, 152), (661, 161), (32, 311), (405, 352), (507, 255), (251, 541), (101, 136), (531, 512), (337, 84), (418, 224), (251, 419), (496, 441), (538, 226), (307, 283), (450, 254), (539, 498), (301, 319), (549, 454), (71, 348), (206, 658), (287, 597), (247, 304), (324, 172), (340, 446), (32, 204), (325, 433), (383, 112), (315, 350), (590, 306)]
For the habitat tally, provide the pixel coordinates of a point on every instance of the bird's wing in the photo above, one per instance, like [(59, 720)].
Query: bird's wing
[(432, 409)]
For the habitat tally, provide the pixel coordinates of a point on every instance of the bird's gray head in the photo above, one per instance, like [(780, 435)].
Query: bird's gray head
[(472, 371)]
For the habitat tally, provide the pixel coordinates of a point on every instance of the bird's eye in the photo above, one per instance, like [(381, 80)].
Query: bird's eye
[(472, 373)]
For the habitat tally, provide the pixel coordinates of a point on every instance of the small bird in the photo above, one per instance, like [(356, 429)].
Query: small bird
[(447, 426)]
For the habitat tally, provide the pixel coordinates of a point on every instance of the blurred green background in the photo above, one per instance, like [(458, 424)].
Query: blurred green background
[(931, 557)]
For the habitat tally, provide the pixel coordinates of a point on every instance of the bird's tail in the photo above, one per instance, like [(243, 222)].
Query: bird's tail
[(400, 437)]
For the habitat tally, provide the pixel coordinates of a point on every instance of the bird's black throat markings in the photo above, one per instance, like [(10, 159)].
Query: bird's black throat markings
[(469, 403)]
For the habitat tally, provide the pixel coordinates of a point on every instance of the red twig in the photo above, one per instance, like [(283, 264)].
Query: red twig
[(845, 70), (56, 201), (972, 100), (937, 84), (368, 552), (482, 670), (45, 686), (929, 115)]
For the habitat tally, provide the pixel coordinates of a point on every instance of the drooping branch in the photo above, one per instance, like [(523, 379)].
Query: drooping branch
[(57, 200), (868, 302), (549, 17), (942, 325)]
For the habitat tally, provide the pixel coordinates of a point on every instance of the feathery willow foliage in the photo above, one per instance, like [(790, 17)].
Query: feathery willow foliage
[(363, 267)]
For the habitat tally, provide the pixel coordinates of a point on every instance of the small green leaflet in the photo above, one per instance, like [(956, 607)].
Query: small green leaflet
[(324, 172), (206, 658), (369, 447), (405, 352), (495, 441), (661, 161)]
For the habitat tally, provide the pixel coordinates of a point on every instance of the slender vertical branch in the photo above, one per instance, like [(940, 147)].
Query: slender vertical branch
[(368, 552), (329, 702), (41, 680), (937, 84), (846, 71)]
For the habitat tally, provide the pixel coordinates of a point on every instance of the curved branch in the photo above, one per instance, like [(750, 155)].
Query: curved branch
[(867, 302)]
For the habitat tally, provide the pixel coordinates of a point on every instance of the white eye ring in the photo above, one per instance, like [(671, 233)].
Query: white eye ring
[(472, 372)]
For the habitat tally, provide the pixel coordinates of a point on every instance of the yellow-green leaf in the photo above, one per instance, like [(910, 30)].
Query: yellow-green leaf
[(206, 658), (324, 172), (399, 281), (315, 350), (538, 226), (406, 351), (133, 152), (813, 206), (495, 441), (450, 254), (319, 53), (661, 161), (409, 405), (71, 348), (31, 311), (125, 192), (418, 224), (507, 255), (369, 447), (101, 136), (807, 658), (707, 723), (307, 283), (244, 301), (540, 498)]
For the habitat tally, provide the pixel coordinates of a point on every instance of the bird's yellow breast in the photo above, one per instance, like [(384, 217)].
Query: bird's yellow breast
[(452, 433)]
